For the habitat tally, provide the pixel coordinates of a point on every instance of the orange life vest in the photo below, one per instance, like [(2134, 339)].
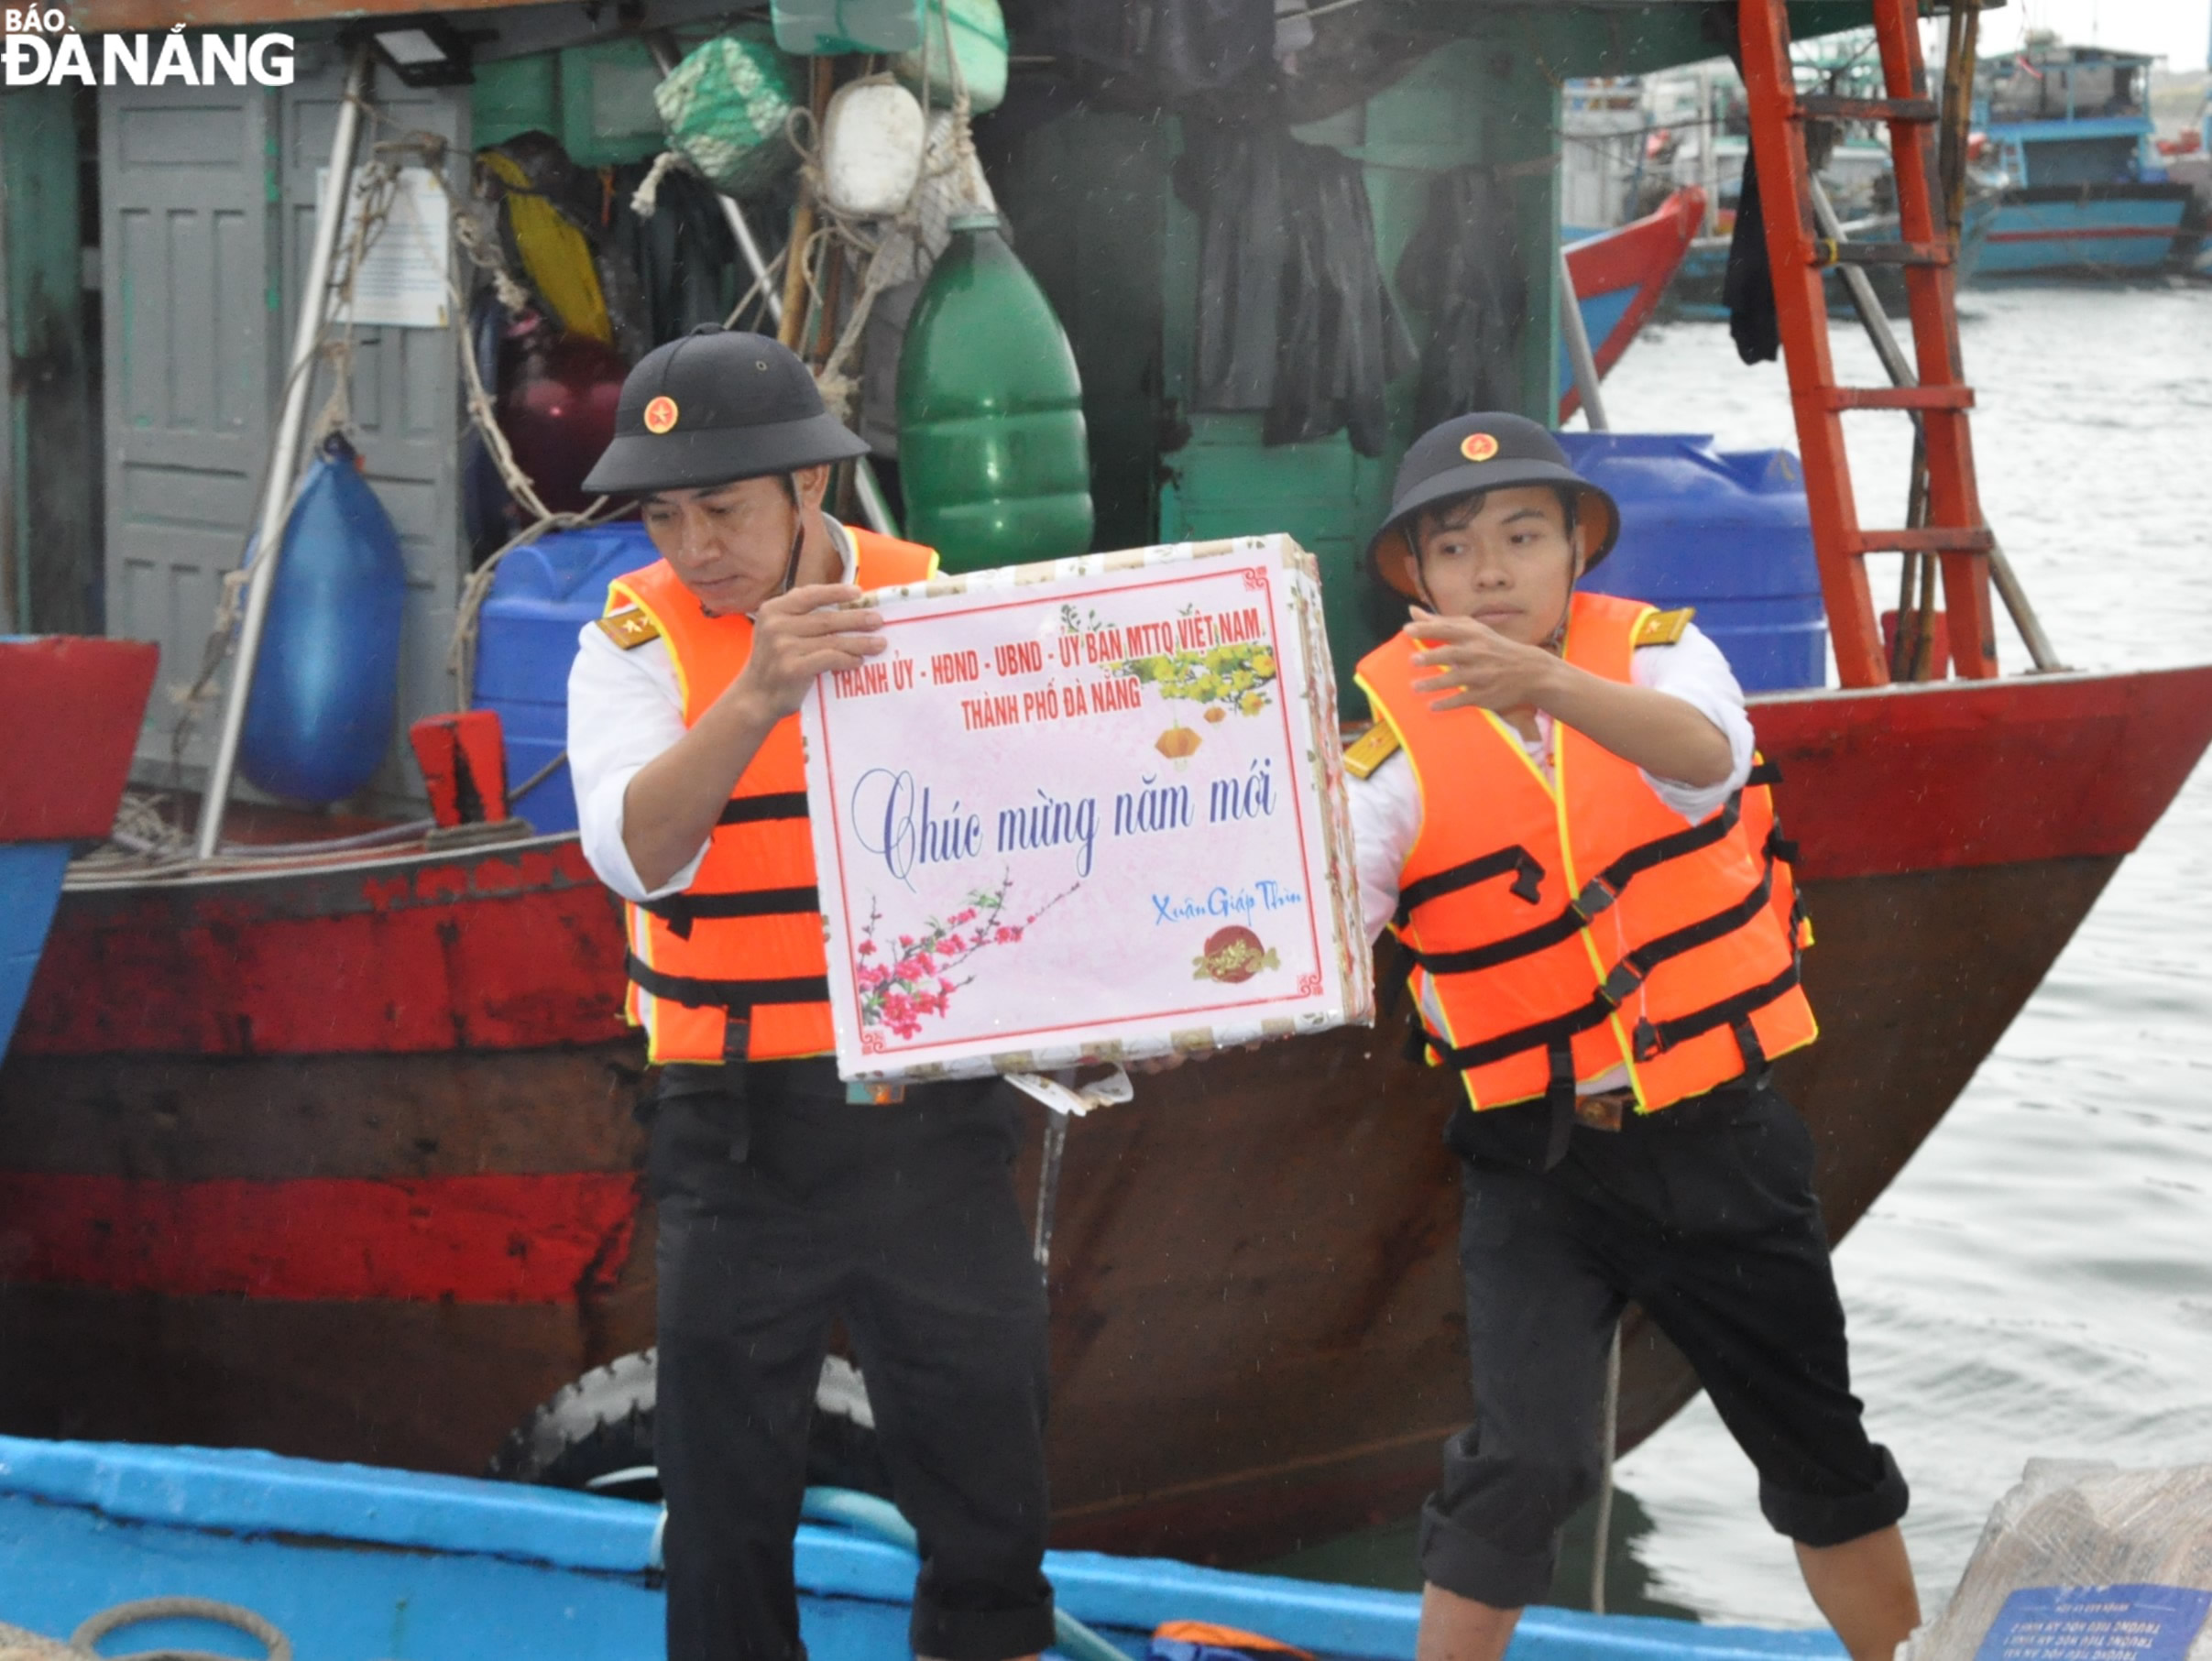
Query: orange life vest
[(733, 967), (1562, 928)]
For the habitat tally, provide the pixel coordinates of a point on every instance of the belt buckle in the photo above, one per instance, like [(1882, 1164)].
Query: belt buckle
[(1600, 1112)]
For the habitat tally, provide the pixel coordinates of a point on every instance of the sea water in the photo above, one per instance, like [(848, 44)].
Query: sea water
[(2038, 1281)]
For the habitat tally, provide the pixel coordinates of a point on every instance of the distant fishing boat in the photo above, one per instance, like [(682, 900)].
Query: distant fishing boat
[(352, 1563), (2068, 156), (73, 708), (1619, 276)]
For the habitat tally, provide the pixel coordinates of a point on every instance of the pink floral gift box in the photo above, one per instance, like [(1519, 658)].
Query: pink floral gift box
[(1087, 810)]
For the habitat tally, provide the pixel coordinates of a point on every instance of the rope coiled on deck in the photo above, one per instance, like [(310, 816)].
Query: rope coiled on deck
[(16, 1644)]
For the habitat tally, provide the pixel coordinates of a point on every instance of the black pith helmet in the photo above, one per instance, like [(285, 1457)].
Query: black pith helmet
[(712, 407), (1487, 450)]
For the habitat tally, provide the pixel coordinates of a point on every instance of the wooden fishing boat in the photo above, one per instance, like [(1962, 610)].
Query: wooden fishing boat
[(354, 1563), (335, 1154), (1619, 277), (2076, 184), (349, 1167)]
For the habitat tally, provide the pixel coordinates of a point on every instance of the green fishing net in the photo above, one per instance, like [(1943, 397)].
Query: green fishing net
[(724, 106)]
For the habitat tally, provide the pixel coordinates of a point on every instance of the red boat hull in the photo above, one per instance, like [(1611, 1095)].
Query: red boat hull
[(342, 1161), (1638, 259)]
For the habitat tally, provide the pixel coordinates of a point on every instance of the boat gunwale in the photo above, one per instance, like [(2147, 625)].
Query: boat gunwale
[(250, 1495), (411, 859)]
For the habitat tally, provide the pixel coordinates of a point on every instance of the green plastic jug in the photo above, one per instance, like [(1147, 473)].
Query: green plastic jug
[(993, 457)]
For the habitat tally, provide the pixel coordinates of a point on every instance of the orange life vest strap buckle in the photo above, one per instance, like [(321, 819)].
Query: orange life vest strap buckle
[(1598, 893), (1622, 979), (1651, 1041), (1621, 984), (1528, 879)]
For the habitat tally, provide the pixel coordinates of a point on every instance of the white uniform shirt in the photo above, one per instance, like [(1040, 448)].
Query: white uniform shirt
[(1386, 805), (625, 708)]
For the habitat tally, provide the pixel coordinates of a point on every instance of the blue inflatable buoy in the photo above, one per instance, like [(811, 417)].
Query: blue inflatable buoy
[(321, 714)]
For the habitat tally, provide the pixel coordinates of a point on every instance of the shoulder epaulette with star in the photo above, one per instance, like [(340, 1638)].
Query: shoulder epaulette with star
[(1664, 627), (630, 628), (1371, 749)]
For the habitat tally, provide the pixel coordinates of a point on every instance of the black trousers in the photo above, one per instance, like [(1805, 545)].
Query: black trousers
[(781, 1207), (1703, 1214)]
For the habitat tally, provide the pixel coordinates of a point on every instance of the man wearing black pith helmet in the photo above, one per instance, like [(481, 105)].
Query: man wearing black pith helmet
[(785, 1200), (1557, 814)]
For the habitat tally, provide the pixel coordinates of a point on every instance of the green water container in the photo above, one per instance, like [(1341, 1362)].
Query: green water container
[(827, 27), (993, 457)]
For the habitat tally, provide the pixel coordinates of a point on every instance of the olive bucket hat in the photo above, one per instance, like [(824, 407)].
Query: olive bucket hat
[(1489, 451), (713, 406)]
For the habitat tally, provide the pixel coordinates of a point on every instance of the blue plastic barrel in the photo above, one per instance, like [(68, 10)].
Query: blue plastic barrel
[(1725, 530), (526, 640)]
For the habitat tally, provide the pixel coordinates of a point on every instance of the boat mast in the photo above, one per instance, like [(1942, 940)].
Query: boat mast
[(284, 457)]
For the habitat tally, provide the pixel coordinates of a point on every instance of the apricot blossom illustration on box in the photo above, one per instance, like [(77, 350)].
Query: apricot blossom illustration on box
[(905, 978)]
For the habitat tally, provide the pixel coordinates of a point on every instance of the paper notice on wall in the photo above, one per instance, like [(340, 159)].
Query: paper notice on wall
[(401, 277), (1087, 810)]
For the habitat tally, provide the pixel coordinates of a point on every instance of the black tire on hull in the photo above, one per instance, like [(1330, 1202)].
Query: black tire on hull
[(600, 1427)]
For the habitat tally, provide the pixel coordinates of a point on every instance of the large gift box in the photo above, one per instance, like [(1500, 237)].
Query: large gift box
[(1087, 810)]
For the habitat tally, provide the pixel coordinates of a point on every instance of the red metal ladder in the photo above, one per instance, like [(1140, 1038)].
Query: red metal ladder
[(1954, 532)]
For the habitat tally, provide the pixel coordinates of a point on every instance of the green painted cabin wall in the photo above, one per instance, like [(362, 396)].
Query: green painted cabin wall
[(52, 562)]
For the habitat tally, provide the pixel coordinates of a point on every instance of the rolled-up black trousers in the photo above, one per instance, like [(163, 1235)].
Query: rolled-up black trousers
[(1702, 1213), (781, 1207)]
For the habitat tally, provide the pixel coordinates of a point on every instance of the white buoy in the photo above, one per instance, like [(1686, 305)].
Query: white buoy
[(872, 137)]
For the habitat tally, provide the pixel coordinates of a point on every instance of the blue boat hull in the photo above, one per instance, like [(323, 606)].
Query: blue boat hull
[(30, 883), (2103, 230), (355, 1564)]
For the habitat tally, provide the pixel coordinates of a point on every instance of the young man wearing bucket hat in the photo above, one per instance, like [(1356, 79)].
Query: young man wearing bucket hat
[(785, 1200), (1557, 814)]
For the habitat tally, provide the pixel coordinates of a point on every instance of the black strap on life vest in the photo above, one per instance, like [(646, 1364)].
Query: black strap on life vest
[(1559, 1103), (1633, 969), (1597, 893), (773, 805), (1528, 881), (738, 996), (1657, 1038), (1625, 977), (681, 910)]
